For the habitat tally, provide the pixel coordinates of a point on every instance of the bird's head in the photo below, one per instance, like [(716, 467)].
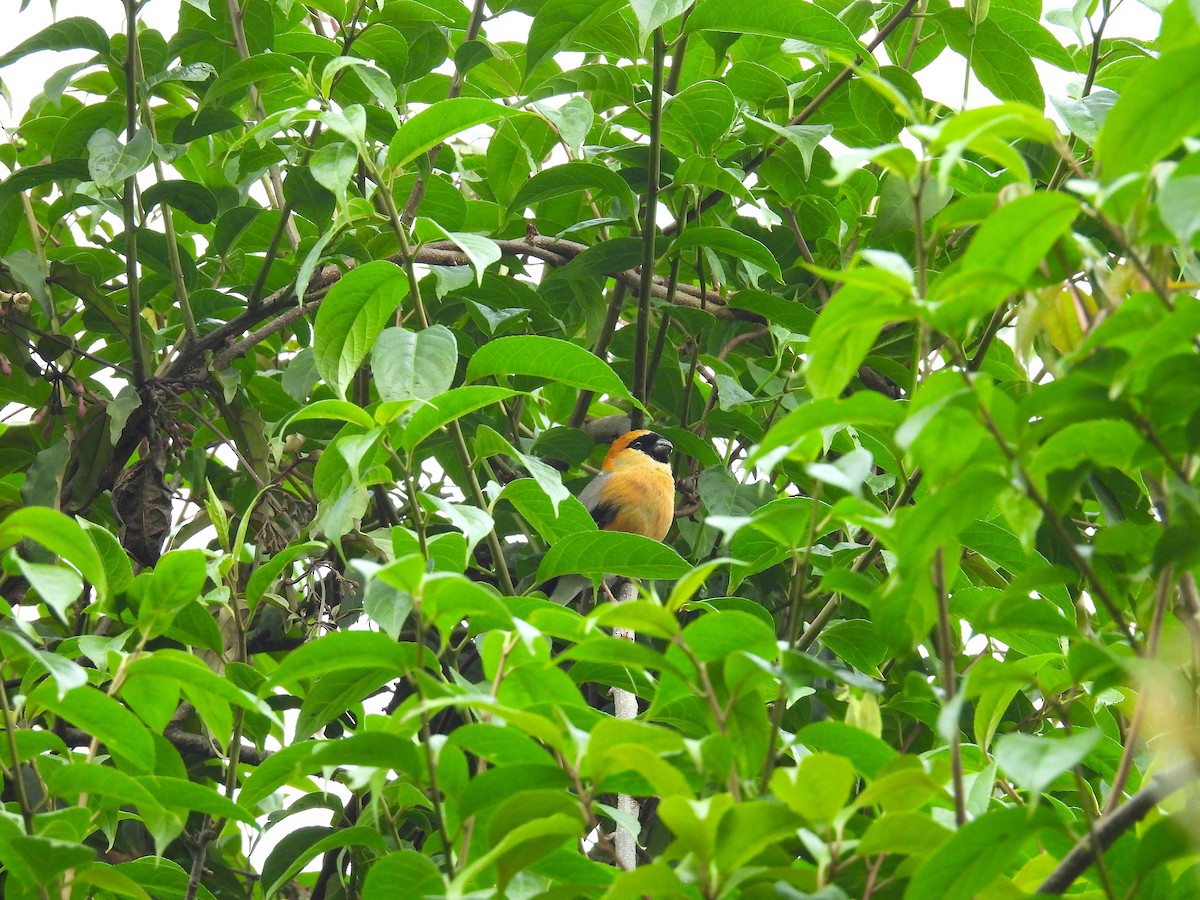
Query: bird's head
[(649, 443)]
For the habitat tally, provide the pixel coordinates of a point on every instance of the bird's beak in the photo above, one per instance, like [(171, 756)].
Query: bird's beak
[(662, 450)]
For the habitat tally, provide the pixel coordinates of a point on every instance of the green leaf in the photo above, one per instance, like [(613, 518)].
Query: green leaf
[(569, 179), (56, 586), (730, 242), (1001, 64), (479, 250), (818, 789), (977, 853), (350, 121), (547, 358), (373, 749), (417, 872), (522, 846), (107, 878), (904, 833), (47, 858), (703, 112), (264, 575), (178, 580), (807, 22), (599, 553), (845, 331), (308, 842), (474, 523), (61, 536), (1016, 237), (450, 598), (76, 32), (1004, 255), (535, 507), (1033, 761), (1179, 206), (257, 69), (352, 316), (509, 162), (163, 876), (192, 674), (573, 120), (346, 650), (1155, 112), (1086, 117), (855, 642), (454, 404), (67, 673), (703, 171), (33, 176), (644, 617), (443, 120), (750, 828), (489, 442), (862, 408), (868, 753), (335, 410), (333, 694), (179, 793), (110, 162), (105, 719), (1112, 443), (652, 14), (377, 81), (332, 167), (555, 23), (196, 200), (717, 635), (414, 365)]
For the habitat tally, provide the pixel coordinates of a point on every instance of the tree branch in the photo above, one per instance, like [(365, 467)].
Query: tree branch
[(184, 741), (1112, 826)]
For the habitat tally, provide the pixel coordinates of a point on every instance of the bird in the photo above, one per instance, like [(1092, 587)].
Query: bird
[(634, 491)]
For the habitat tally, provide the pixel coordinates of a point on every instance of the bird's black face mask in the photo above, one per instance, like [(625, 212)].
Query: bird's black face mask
[(655, 446)]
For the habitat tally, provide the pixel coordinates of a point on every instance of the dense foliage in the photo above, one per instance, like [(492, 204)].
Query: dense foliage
[(314, 313)]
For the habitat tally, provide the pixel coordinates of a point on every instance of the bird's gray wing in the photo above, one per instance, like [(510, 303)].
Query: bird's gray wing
[(603, 513)]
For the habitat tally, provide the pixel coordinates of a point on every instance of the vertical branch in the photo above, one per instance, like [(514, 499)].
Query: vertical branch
[(625, 708), (134, 318), (641, 362), (417, 194), (274, 180), (678, 52), (797, 595), (949, 677), (10, 732), (435, 792), (915, 40), (134, 53), (611, 315)]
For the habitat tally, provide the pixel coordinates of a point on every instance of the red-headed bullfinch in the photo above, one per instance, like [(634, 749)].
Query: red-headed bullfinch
[(634, 490)]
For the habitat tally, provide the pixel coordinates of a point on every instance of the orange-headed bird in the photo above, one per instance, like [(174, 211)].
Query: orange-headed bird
[(634, 490)]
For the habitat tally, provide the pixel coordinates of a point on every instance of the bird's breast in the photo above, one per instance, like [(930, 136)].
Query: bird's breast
[(644, 501)]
